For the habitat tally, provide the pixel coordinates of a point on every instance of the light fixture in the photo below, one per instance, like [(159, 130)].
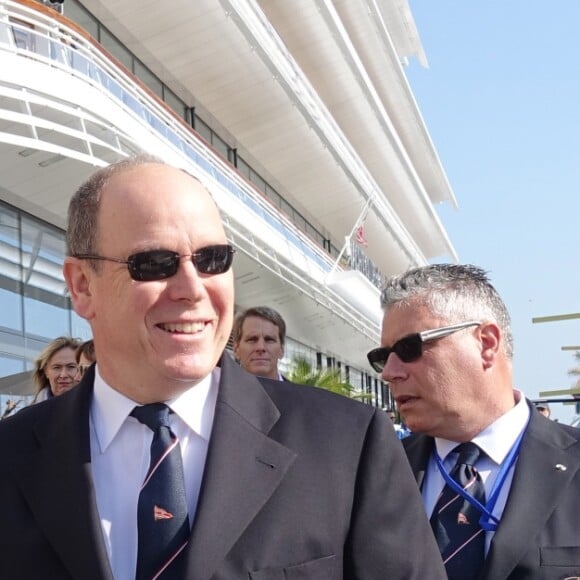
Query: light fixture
[(51, 160), (27, 152)]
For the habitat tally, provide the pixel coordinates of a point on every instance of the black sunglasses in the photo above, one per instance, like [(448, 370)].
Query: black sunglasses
[(410, 347), (160, 264)]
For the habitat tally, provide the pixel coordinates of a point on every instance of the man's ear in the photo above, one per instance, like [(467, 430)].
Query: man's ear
[(491, 338), (77, 274)]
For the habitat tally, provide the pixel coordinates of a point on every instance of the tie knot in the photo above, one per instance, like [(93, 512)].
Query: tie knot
[(468, 453), (154, 415)]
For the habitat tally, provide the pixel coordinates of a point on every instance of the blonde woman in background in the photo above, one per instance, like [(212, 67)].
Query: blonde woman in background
[(56, 369)]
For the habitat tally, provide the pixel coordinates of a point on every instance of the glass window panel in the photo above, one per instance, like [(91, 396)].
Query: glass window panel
[(314, 234), (257, 181), (147, 77), (10, 309), (174, 102), (286, 207), (220, 145), (299, 221), (43, 249), (273, 196), (203, 129), (116, 48), (11, 365), (243, 168), (10, 270), (46, 306), (78, 14), (45, 320)]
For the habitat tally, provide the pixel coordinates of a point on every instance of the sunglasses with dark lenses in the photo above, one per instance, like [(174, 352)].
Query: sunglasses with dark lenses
[(410, 347), (160, 264)]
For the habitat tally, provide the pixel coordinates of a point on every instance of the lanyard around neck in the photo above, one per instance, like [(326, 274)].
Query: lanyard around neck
[(487, 521)]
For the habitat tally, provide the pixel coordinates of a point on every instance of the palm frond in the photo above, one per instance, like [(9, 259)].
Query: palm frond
[(302, 371)]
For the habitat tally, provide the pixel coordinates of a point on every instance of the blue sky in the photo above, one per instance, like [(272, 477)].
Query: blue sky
[(501, 101)]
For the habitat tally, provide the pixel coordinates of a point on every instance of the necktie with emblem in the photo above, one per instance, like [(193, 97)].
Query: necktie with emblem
[(162, 518), (455, 521)]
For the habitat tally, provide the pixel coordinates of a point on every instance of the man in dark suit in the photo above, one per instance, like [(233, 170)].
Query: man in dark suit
[(259, 335), (279, 480), (447, 351)]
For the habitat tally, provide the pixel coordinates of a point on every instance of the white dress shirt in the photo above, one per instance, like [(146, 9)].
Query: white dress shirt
[(496, 440), (120, 454)]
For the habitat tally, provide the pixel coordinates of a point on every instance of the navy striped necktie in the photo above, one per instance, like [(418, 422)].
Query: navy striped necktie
[(162, 518), (455, 521)]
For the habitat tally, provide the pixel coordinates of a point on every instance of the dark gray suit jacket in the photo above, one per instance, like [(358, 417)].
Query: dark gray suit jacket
[(298, 484), (539, 534)]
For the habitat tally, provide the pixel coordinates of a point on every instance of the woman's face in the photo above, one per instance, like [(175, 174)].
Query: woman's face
[(62, 371)]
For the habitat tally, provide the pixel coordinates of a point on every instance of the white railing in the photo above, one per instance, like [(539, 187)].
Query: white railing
[(32, 34)]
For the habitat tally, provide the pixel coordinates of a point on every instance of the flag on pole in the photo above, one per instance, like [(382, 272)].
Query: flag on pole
[(360, 237)]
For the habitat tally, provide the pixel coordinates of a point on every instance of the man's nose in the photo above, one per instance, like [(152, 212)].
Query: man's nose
[(394, 368), (186, 284)]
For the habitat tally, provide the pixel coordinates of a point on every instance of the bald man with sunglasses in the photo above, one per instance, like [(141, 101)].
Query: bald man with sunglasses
[(446, 353), (243, 477)]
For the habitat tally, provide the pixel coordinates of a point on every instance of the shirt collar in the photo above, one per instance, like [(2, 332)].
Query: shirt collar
[(498, 438), (110, 408)]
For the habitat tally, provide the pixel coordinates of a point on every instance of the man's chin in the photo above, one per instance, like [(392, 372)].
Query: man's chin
[(261, 370), (189, 373)]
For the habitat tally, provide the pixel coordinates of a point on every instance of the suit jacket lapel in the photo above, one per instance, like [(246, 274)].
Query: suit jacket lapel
[(538, 483), (243, 468), (418, 449), (57, 483)]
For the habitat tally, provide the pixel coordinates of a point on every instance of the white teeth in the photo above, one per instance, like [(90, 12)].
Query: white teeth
[(184, 327)]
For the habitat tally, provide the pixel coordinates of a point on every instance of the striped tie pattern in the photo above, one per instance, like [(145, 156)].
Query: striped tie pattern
[(162, 518), (455, 521)]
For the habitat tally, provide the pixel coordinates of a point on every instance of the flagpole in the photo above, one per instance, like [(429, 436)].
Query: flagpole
[(347, 239)]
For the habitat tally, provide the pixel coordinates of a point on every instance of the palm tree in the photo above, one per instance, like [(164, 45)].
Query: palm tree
[(302, 372), (575, 371)]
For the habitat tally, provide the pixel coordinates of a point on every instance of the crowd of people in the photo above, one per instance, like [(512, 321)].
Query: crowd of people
[(171, 460)]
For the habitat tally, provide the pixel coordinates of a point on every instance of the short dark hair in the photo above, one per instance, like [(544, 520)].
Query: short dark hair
[(264, 312)]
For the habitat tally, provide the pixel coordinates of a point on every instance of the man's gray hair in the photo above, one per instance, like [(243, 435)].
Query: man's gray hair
[(454, 292)]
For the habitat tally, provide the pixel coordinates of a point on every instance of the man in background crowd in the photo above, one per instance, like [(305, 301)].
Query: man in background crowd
[(544, 409), (259, 335)]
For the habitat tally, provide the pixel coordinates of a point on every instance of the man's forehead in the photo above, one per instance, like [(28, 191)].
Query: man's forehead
[(153, 192), (256, 325), (260, 332), (151, 173)]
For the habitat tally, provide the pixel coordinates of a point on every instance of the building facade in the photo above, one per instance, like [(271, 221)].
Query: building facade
[(297, 116)]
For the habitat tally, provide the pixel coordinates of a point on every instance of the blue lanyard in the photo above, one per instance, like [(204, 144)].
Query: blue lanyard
[(487, 521)]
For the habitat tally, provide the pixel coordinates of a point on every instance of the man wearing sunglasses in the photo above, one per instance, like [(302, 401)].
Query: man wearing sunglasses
[(169, 461), (499, 482)]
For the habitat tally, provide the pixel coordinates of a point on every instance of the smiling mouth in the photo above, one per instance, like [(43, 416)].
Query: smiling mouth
[(182, 327)]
